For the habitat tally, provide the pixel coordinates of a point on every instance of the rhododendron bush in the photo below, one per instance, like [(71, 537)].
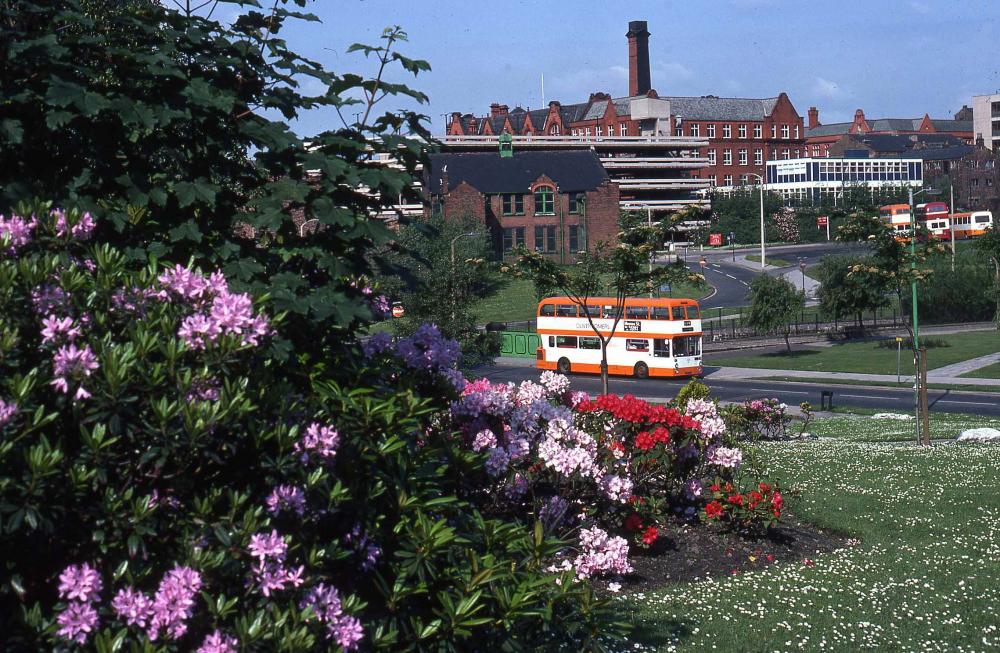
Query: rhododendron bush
[(166, 484)]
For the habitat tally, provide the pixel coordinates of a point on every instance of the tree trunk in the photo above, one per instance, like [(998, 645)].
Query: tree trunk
[(604, 367), (787, 344), (996, 289)]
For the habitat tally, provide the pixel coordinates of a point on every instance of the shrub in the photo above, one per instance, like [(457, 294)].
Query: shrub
[(693, 389), (752, 511), (759, 419), (167, 484)]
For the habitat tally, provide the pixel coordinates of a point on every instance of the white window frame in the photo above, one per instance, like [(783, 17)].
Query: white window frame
[(757, 131), (711, 156), (774, 130), (727, 180), (711, 130), (695, 130), (742, 130), (758, 157), (727, 157), (713, 180), (727, 130), (784, 132), (796, 131), (622, 127), (586, 131), (598, 131), (743, 157)]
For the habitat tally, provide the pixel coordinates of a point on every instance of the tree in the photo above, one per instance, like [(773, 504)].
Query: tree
[(774, 301), (842, 293), (622, 270), (895, 262), (434, 288), (989, 246), (171, 127)]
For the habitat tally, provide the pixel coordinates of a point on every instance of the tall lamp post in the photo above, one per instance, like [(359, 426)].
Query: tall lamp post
[(763, 265), (919, 388)]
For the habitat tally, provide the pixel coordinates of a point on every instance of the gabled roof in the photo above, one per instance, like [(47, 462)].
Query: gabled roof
[(895, 124), (596, 110), (488, 172)]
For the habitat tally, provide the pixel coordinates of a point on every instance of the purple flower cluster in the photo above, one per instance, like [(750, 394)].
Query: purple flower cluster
[(203, 390), (17, 230), (80, 585), (73, 363), (7, 410), (48, 299), (218, 311), (381, 307), (216, 642), (320, 441), (323, 601), (81, 229), (269, 570), (285, 498), (59, 330), (428, 350), (169, 609)]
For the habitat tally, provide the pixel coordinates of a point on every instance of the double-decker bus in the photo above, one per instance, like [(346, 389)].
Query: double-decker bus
[(654, 337), (934, 216), (971, 225), (897, 216)]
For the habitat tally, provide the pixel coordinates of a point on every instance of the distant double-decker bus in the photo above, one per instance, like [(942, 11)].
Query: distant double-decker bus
[(971, 225), (654, 337), (897, 216), (934, 216)]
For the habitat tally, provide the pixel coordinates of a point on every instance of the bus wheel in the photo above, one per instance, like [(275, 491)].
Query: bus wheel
[(563, 366), (641, 371)]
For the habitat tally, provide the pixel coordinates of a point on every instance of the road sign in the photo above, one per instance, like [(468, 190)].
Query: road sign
[(802, 265), (822, 221), (715, 239), (665, 287), (898, 339), (397, 310), (702, 262)]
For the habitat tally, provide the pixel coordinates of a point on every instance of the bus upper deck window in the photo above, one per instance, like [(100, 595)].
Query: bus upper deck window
[(693, 313), (678, 312), (637, 312), (982, 218), (661, 313), (591, 310), (548, 310), (610, 312), (566, 310)]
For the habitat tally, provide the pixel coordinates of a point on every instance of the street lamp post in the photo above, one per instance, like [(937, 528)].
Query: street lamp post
[(919, 389), (763, 265)]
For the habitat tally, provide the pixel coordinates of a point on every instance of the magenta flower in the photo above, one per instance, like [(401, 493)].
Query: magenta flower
[(186, 284), (57, 330), (76, 622), (73, 363), (325, 605), (82, 229), (80, 582), (286, 497), (319, 440), (219, 643), (7, 410), (132, 607), (268, 545), (173, 603), (17, 231)]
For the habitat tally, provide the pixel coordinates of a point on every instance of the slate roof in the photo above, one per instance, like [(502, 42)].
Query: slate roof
[(941, 153), (720, 108), (833, 129), (952, 125), (488, 172), (895, 124)]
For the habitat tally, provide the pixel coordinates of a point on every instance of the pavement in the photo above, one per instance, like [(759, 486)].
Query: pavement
[(963, 367)]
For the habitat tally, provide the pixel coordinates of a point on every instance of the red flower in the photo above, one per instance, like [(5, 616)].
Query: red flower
[(644, 441), (713, 510), (770, 557), (776, 513), (735, 499), (764, 487), (755, 499), (661, 434), (777, 501), (729, 488), (649, 535), (715, 487), (633, 522), (615, 445)]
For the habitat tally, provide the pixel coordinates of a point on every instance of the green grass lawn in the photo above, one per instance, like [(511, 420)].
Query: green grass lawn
[(866, 357), (776, 262), (988, 372), (920, 577)]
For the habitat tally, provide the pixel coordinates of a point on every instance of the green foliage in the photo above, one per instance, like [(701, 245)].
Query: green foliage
[(988, 245), (739, 213), (847, 288), (773, 305), (433, 288), (693, 389), (172, 125), (172, 458), (962, 294)]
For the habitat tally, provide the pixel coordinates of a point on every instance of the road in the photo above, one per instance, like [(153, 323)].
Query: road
[(877, 398), (732, 280)]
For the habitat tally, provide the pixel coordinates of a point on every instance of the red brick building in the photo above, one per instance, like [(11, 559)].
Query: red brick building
[(555, 202), (742, 132), (820, 137)]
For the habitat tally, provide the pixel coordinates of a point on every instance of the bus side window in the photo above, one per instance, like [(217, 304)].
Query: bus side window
[(588, 342), (661, 313), (693, 313), (632, 344), (678, 312), (548, 310), (661, 347), (637, 312), (566, 310), (552, 341), (610, 312), (591, 310), (566, 342)]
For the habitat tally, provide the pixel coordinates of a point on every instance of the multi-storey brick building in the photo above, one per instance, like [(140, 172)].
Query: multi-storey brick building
[(820, 138), (555, 202), (741, 133)]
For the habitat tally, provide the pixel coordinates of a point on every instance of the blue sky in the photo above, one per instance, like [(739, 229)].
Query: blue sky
[(893, 58)]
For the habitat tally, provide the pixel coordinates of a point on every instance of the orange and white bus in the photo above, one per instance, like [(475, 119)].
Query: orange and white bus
[(897, 216), (934, 216), (971, 225), (655, 337)]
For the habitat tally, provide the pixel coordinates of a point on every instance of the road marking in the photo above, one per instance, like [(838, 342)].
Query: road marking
[(967, 403), (731, 277), (770, 390)]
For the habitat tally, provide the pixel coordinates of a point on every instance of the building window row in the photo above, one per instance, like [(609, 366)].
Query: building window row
[(513, 237), (727, 157), (513, 204), (545, 239)]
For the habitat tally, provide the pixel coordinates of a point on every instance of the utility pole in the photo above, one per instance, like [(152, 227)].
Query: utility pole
[(951, 225)]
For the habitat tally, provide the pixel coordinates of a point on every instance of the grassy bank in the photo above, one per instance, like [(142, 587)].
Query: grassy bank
[(921, 574)]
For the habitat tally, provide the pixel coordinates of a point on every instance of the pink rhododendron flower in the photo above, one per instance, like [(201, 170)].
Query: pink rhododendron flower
[(80, 583), (7, 410), (216, 642), (17, 231), (76, 622), (73, 363)]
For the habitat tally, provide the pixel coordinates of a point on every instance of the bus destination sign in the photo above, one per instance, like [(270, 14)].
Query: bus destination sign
[(633, 326)]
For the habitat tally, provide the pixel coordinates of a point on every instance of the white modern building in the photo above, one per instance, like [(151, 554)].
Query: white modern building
[(817, 180), (986, 119)]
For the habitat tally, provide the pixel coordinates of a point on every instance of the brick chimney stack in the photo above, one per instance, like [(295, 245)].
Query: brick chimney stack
[(498, 110), (813, 117), (638, 58)]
